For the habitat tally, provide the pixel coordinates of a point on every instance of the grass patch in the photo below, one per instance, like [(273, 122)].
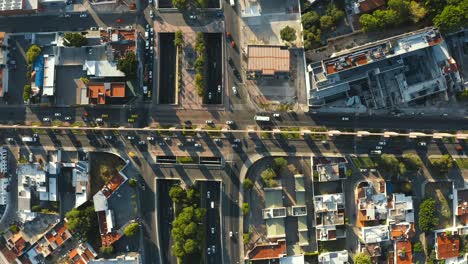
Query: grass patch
[(265, 135), (365, 162), (186, 159), (213, 133), (462, 163), (36, 123), (57, 123), (103, 167), (440, 192), (284, 132), (318, 136)]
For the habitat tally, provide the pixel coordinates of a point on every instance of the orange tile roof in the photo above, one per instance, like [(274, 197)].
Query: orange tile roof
[(370, 5), (98, 91), (269, 251), (404, 254), (268, 59), (112, 185), (447, 247), (73, 253), (399, 231)]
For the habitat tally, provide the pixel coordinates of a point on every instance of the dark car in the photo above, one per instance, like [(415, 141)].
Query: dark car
[(231, 62), (237, 74)]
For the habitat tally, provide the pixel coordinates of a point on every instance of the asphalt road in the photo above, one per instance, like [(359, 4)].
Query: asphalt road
[(167, 79), (213, 227), (213, 69)]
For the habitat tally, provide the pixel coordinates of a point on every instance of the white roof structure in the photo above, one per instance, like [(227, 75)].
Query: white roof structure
[(3, 160), (100, 202), (52, 189), (4, 182), (375, 234), (336, 257), (292, 260), (49, 75), (81, 182), (102, 68), (402, 209), (328, 202)]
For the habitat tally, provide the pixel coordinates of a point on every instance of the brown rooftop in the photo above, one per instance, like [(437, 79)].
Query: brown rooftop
[(268, 251), (404, 254), (447, 246), (268, 59), (370, 5)]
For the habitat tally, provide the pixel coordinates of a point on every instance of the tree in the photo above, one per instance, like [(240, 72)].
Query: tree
[(442, 164), (427, 215), (387, 17), (128, 65), (190, 246), (132, 182), (177, 194), (335, 13), (389, 163), (412, 161), (199, 214), (193, 196), (402, 168), (401, 7), (190, 230), (268, 176), (245, 208), (178, 39), (310, 19), (349, 172), (27, 92), (200, 43), (418, 248), (200, 84), (280, 163), (106, 250), (32, 53), (180, 4), (451, 19), (248, 184), (288, 34), (202, 3), (312, 38), (131, 229), (326, 22), (417, 11), (199, 64), (177, 249), (362, 258), (82, 221), (370, 22), (74, 39)]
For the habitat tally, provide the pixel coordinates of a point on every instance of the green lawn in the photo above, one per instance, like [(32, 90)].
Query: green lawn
[(462, 163), (365, 162)]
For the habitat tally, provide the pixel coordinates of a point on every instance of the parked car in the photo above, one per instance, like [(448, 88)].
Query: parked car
[(151, 14), (67, 118), (345, 118), (234, 90), (276, 115), (219, 88), (83, 15), (197, 145), (57, 114), (45, 119), (130, 137), (209, 122), (150, 138), (237, 140), (229, 122), (382, 143)]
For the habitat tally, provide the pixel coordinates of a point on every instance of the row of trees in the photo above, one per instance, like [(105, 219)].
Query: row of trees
[(199, 64), (449, 16), (428, 219), (442, 164), (314, 25), (184, 4), (397, 13), (82, 222), (31, 55), (74, 39), (188, 231), (391, 164), (128, 65)]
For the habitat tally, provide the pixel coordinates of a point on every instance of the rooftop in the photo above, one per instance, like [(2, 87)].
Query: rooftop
[(403, 252), (82, 254), (402, 231), (268, 251), (336, 257), (268, 60), (98, 92), (273, 197), (461, 205), (447, 246), (275, 228), (400, 209), (375, 234), (372, 201), (328, 202)]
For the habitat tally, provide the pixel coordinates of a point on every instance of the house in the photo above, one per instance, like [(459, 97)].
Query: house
[(50, 242), (447, 245), (400, 209), (375, 234), (329, 168), (268, 61), (268, 251), (100, 93), (386, 73), (32, 180), (18, 7), (300, 210), (16, 242), (460, 204), (4, 180), (81, 182), (403, 252), (371, 203), (129, 258), (274, 213), (335, 257), (329, 216), (367, 6), (82, 254), (4, 62)]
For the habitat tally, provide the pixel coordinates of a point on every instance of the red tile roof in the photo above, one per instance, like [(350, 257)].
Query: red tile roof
[(370, 5), (112, 185), (269, 251), (447, 246), (401, 231), (404, 254), (99, 93)]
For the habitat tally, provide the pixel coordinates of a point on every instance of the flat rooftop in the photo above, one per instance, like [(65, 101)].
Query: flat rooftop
[(268, 59), (273, 197)]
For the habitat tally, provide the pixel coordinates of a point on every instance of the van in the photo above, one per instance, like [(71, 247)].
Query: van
[(232, 2), (212, 205)]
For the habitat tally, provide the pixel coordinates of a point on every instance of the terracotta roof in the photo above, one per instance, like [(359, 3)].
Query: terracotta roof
[(462, 208), (399, 231), (404, 254), (112, 185), (268, 251), (73, 253), (370, 5), (447, 247), (268, 59), (100, 91)]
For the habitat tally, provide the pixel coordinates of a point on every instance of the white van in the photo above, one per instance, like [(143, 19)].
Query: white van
[(212, 204)]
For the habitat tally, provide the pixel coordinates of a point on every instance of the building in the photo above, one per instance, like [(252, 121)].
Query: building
[(16, 242), (4, 180), (329, 168), (371, 203), (386, 73), (267, 61), (329, 216), (460, 205), (336, 257), (299, 210), (81, 182), (102, 69), (274, 213), (102, 93), (268, 251), (130, 258), (18, 7), (403, 252), (400, 209), (49, 76), (375, 234), (4, 63), (447, 245), (82, 254), (51, 241), (31, 178), (367, 6), (104, 213)]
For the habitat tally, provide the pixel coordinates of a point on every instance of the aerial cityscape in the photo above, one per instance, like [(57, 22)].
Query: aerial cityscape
[(233, 131)]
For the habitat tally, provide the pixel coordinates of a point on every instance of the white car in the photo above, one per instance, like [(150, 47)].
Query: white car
[(190, 140), (193, 17), (161, 143), (212, 230), (209, 251), (219, 88), (237, 140), (210, 96), (363, 170), (276, 115), (379, 147), (150, 138), (152, 31), (382, 143), (167, 139), (422, 144), (46, 119), (151, 14), (67, 118), (217, 140), (83, 15), (150, 2), (229, 122), (67, 15), (108, 137), (57, 114), (208, 194), (234, 145), (234, 90), (98, 119), (345, 118), (213, 249), (180, 144), (151, 49), (130, 137), (209, 122), (10, 139), (197, 145)]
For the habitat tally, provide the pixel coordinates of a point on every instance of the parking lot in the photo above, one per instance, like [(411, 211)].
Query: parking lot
[(210, 196), (214, 88), (167, 72), (17, 77)]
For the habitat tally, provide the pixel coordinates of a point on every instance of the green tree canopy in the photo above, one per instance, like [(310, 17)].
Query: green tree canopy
[(427, 215), (177, 194), (180, 4), (178, 249), (32, 53), (178, 39), (193, 196), (190, 230), (82, 221), (401, 7), (412, 161), (131, 229), (453, 17), (310, 19), (128, 65), (27, 92), (280, 162), (202, 3), (389, 163), (247, 184), (312, 38), (268, 176), (361, 258), (335, 13), (370, 22), (199, 214), (245, 208), (74, 39), (417, 11), (326, 22), (443, 164), (190, 246), (106, 250), (288, 34)]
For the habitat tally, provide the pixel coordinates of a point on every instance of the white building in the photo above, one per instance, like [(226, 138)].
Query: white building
[(336, 257), (375, 234), (49, 75), (81, 182)]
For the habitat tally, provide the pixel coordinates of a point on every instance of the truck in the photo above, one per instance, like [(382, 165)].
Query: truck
[(29, 139)]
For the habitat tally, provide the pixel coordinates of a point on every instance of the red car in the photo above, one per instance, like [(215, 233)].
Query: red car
[(119, 20)]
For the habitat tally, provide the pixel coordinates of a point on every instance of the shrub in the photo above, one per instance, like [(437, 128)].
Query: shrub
[(288, 34), (131, 229), (427, 215), (418, 248), (128, 65), (106, 250), (268, 176), (132, 182), (248, 184), (178, 39), (27, 92), (32, 53), (362, 258), (74, 39), (14, 228), (245, 208), (280, 163)]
